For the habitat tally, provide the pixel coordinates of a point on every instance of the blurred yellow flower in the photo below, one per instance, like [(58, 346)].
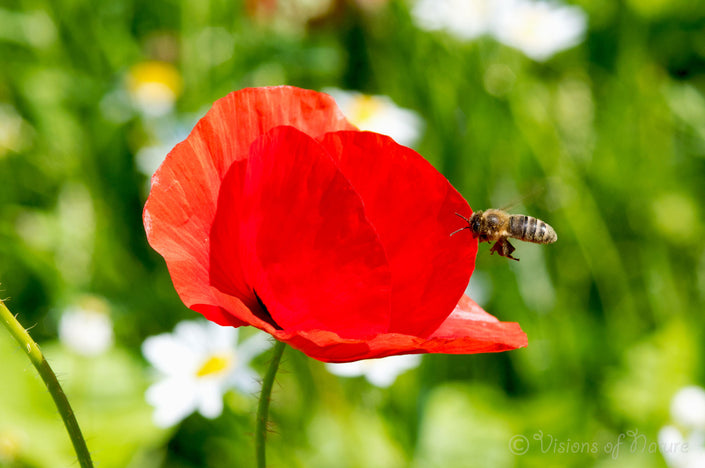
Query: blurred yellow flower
[(154, 87)]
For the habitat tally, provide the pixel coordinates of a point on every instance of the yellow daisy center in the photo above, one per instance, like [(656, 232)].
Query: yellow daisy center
[(364, 108), (215, 365)]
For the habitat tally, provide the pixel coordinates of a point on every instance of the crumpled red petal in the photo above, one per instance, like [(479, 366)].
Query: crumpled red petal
[(468, 330), (182, 204)]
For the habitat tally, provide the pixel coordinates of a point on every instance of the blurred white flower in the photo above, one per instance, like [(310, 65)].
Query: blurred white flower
[(688, 408), (379, 114), (153, 87), (465, 19), (86, 328), (683, 444), (379, 372), (197, 364), (679, 451), (539, 29)]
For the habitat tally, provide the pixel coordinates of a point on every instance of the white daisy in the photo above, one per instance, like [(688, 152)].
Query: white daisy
[(683, 443), (464, 19), (86, 328), (680, 451), (197, 364), (379, 372), (379, 114), (537, 28), (688, 407)]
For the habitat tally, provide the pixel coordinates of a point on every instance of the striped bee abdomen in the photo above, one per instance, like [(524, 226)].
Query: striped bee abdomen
[(530, 229)]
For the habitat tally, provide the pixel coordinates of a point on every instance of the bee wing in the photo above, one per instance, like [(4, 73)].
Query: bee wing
[(533, 193)]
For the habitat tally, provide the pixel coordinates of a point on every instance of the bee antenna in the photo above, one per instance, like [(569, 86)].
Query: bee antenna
[(462, 228), (466, 219)]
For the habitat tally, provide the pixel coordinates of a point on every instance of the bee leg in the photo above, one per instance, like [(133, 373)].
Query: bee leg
[(509, 248), (503, 248)]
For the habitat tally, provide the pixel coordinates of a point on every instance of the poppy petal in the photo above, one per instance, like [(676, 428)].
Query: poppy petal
[(310, 256), (182, 201), (413, 208), (468, 330)]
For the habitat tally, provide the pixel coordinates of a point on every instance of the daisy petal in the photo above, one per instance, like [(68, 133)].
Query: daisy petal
[(173, 399), (210, 399), (168, 354)]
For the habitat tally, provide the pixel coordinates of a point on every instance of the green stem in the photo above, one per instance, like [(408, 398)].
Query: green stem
[(263, 408), (50, 380)]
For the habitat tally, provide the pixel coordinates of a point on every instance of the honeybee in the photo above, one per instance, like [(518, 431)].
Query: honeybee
[(497, 225)]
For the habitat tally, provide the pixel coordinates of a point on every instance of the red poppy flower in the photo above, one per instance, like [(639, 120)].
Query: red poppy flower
[(276, 212)]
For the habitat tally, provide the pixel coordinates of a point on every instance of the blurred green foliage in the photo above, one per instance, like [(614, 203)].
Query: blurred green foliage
[(606, 139)]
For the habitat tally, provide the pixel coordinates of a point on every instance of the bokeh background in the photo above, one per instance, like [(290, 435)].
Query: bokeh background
[(603, 137)]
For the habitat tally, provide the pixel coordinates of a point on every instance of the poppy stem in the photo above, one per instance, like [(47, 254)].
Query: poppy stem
[(57, 393), (263, 408)]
